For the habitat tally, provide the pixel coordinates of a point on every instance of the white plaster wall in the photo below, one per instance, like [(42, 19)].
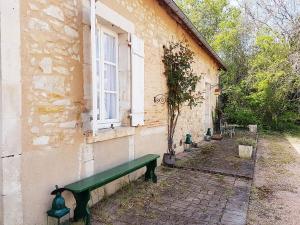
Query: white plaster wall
[(1, 192), (110, 153), (102, 155), (10, 114), (1, 141), (151, 140), (41, 171)]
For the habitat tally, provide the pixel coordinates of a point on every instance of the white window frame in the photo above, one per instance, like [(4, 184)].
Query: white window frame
[(99, 63)]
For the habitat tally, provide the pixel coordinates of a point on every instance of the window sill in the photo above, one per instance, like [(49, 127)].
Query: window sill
[(109, 134)]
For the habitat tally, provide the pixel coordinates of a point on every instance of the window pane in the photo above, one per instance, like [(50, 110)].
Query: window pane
[(98, 73), (109, 48), (110, 106), (98, 106), (110, 83)]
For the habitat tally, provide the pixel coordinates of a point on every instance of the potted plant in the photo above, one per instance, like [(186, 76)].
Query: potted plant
[(246, 146), (181, 82), (207, 136)]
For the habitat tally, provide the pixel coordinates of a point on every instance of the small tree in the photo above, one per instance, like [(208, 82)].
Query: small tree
[(181, 82)]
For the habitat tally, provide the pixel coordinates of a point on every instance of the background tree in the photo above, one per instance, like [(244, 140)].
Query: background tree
[(221, 25), (259, 43)]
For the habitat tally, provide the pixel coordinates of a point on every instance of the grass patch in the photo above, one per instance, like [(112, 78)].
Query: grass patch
[(228, 193), (286, 188), (263, 192), (246, 141), (166, 169), (279, 155), (220, 177), (294, 133), (207, 149), (182, 162), (234, 159), (203, 154)]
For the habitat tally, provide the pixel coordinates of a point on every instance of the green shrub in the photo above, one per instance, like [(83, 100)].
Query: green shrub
[(241, 116), (246, 141), (284, 122)]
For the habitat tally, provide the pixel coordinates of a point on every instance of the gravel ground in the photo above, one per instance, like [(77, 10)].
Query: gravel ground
[(275, 193)]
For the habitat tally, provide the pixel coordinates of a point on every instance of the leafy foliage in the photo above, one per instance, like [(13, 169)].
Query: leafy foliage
[(181, 81), (241, 116), (262, 81), (271, 80)]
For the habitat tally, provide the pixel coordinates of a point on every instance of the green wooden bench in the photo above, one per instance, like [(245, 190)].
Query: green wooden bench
[(81, 189)]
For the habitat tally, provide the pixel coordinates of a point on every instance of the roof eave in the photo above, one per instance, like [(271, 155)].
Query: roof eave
[(192, 29)]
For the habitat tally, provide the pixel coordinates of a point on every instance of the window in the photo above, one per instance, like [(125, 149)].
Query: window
[(107, 88), (114, 90)]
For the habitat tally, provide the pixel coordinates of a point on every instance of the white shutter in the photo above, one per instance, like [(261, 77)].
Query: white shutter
[(93, 65), (137, 81)]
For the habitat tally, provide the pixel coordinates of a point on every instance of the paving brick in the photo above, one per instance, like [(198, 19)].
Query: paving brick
[(181, 201)]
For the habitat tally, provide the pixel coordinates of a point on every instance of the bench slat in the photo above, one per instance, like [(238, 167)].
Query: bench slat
[(105, 177)]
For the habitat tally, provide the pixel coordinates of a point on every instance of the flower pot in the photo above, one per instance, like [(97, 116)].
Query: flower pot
[(169, 159), (207, 137), (253, 128), (217, 137), (245, 151)]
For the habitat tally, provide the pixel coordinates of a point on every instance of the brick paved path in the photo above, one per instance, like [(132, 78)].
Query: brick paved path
[(220, 157), (181, 197)]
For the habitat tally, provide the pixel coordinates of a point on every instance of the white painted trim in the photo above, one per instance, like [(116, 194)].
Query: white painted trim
[(11, 211), (105, 30), (137, 81), (114, 18), (108, 125), (109, 134), (99, 56), (208, 107), (93, 61)]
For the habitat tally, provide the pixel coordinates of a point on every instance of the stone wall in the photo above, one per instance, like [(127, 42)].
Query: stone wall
[(52, 96), (159, 29), (55, 91), (53, 69), (52, 73)]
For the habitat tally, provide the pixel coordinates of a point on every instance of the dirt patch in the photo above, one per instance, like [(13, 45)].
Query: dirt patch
[(275, 196), (263, 192)]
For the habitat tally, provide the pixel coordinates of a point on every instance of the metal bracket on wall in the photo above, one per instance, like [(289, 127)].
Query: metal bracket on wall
[(160, 98)]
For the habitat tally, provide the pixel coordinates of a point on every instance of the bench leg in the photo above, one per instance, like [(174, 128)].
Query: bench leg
[(82, 211), (150, 172)]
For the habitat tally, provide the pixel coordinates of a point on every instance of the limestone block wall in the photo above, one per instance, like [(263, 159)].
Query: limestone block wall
[(52, 73), (54, 91), (52, 96), (157, 31)]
